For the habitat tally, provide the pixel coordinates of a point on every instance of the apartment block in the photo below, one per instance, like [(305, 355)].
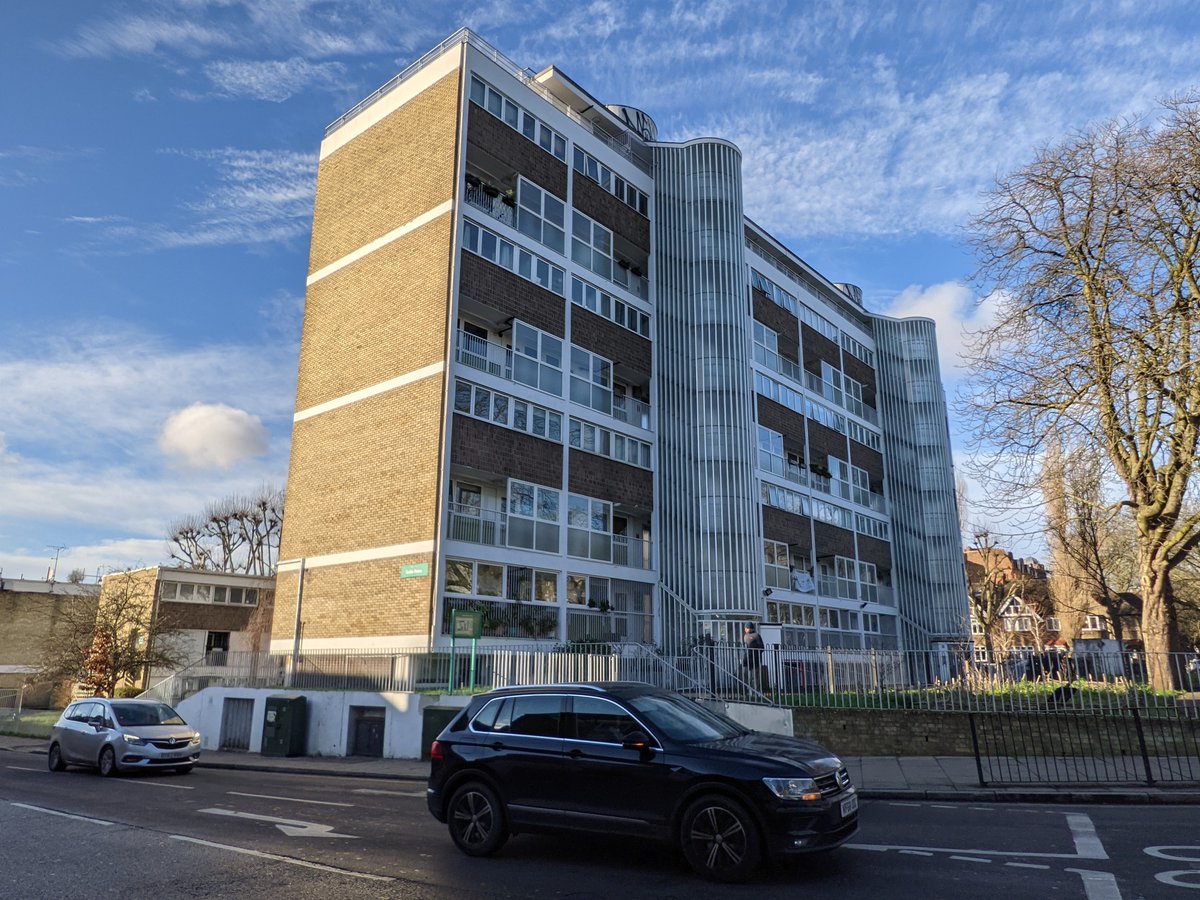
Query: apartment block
[(551, 374)]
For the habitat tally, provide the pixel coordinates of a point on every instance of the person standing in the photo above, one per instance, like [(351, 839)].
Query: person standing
[(752, 661)]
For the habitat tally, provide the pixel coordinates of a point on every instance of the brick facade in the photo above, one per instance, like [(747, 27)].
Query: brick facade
[(875, 551), (513, 150), (833, 541), (490, 448), (824, 441), (511, 295), (867, 458), (597, 203), (780, 321), (610, 340), (796, 531), (779, 418), (818, 347), (607, 479)]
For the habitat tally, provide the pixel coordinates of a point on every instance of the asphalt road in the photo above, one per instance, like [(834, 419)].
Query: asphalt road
[(248, 834)]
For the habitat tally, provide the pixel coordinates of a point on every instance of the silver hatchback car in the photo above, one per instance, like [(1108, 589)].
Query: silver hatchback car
[(121, 735)]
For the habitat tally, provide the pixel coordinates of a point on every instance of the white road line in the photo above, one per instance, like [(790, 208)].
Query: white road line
[(178, 787), (1098, 885), (886, 847), (55, 812), (24, 769), (980, 808), (1027, 865), (400, 793), (289, 799), (917, 852), (283, 859), (1087, 842), (942, 806), (971, 859), (898, 803)]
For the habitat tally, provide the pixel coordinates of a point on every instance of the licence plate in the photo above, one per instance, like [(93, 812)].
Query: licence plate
[(185, 754), (850, 805)]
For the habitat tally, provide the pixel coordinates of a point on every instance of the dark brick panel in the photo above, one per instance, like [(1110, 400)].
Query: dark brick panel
[(791, 529), (858, 370), (206, 616), (526, 158), (873, 550), (607, 479), (817, 346), (491, 448), (779, 418), (594, 201), (833, 541), (824, 441), (610, 340), (866, 458), (779, 320), (500, 289)]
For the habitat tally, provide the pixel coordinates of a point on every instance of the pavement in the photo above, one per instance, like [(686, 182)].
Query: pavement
[(946, 778)]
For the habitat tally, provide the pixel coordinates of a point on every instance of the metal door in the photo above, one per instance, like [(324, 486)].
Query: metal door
[(237, 717)]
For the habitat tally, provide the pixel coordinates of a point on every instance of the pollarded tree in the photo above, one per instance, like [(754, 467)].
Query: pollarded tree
[(234, 534), (1093, 251)]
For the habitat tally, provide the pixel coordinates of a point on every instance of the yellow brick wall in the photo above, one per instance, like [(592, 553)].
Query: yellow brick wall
[(27, 620), (365, 475), (365, 599), (391, 173), (380, 317)]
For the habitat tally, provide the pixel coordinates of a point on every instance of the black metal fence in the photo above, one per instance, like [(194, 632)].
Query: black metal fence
[(1149, 746)]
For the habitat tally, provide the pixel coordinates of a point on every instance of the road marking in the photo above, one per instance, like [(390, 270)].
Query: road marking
[(980, 808), (1027, 865), (1087, 842), (55, 812), (284, 859), (178, 787), (24, 769), (917, 852), (1098, 885), (886, 847), (942, 806), (971, 859), (290, 827), (1161, 852), (1173, 878), (289, 799), (421, 793)]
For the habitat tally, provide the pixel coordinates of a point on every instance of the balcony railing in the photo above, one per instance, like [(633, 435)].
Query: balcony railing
[(777, 465), (507, 618), (638, 285), (780, 364), (485, 356), (488, 199), (631, 410), (594, 626), (632, 552), (818, 385), (477, 526)]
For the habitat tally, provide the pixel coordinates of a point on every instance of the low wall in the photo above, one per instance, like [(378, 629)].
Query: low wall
[(328, 731), (886, 732)]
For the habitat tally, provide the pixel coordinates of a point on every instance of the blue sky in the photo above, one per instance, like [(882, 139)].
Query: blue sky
[(157, 165)]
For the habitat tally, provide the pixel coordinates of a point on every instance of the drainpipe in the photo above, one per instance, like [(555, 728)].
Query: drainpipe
[(296, 627)]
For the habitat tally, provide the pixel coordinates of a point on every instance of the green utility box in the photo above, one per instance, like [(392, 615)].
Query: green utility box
[(285, 727)]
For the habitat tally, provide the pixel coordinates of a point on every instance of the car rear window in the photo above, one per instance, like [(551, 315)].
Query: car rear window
[(538, 715)]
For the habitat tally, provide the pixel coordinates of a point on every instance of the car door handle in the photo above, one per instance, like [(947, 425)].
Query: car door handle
[(575, 754)]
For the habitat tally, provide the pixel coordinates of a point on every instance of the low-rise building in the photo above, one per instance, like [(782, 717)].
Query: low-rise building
[(32, 613)]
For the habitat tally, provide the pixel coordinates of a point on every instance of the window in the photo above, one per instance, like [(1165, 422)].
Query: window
[(592, 245), (505, 254), (600, 721), (868, 583), (501, 409), (518, 119), (604, 304), (603, 442), (856, 348), (871, 527), (540, 215), (537, 715), (533, 516), (588, 165), (591, 380), (1094, 623), (216, 642), (495, 580), (789, 501), (1053, 624), (589, 528), (862, 434), (537, 359), (777, 561)]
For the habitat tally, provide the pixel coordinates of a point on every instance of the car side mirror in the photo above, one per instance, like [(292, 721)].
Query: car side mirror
[(636, 740)]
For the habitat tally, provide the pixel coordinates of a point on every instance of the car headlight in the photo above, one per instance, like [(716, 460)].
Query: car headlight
[(196, 738), (793, 788), (136, 741)]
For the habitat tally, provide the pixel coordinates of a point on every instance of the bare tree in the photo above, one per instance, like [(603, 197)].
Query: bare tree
[(991, 583), (105, 644), (1092, 250), (234, 534)]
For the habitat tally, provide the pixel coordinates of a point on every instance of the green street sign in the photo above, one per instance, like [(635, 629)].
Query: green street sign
[(414, 570), (466, 623)]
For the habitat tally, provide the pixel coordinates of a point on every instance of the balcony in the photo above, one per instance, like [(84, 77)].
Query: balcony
[(631, 410), (829, 391), (594, 626), (780, 364), (631, 278), (634, 553), (477, 526), (785, 468), (492, 201), (484, 356), (507, 618)]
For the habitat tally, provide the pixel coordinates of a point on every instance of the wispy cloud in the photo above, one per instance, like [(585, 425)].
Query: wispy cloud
[(140, 35), (274, 80)]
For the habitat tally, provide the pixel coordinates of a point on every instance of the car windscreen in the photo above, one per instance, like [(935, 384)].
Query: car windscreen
[(146, 714), (684, 720)]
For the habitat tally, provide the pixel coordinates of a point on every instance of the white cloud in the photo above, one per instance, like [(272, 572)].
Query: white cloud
[(956, 311), (274, 80), (212, 435)]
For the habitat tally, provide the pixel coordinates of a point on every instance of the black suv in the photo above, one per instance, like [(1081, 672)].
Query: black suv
[(635, 760)]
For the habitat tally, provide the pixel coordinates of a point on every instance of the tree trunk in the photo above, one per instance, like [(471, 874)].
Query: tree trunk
[(1157, 627)]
